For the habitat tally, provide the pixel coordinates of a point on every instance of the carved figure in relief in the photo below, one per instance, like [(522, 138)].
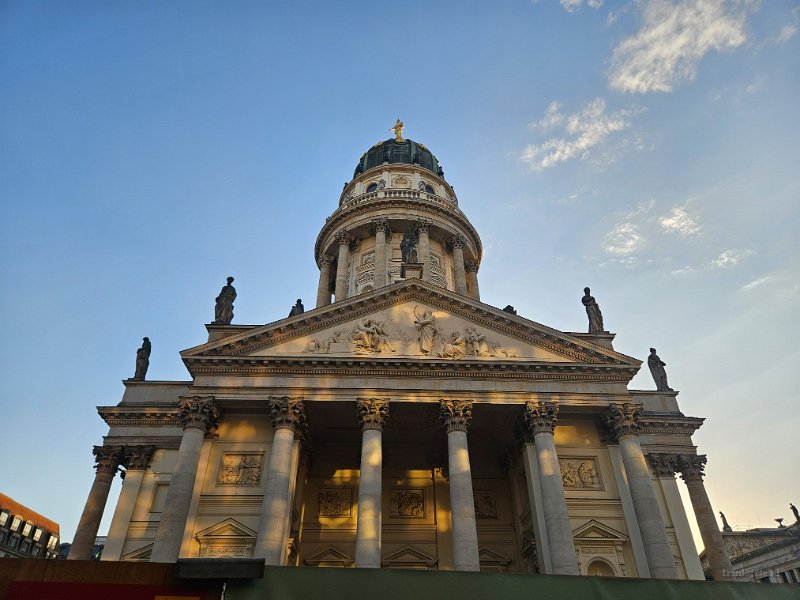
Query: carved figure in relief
[(455, 347), (485, 506), (578, 474), (240, 470), (223, 309), (658, 372), (408, 503), (426, 328), (476, 342), (593, 312), (332, 504), (408, 247), (370, 336), (142, 360), (316, 346)]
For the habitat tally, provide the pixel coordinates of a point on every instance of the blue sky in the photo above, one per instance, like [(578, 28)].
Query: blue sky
[(647, 149)]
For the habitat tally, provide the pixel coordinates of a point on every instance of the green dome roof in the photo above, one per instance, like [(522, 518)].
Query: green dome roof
[(393, 151)]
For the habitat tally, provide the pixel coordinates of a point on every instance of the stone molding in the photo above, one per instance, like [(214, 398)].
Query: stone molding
[(137, 457), (108, 459), (456, 414), (199, 412), (664, 465), (540, 417), (115, 416), (288, 413), (622, 418), (373, 413), (471, 265), (692, 466)]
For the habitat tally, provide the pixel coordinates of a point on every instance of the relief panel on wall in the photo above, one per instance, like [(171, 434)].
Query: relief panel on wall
[(334, 502), (580, 473), (240, 468), (485, 504), (407, 503)]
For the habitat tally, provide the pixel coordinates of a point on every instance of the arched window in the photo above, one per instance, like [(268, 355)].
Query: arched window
[(372, 187), (429, 189), (600, 568)]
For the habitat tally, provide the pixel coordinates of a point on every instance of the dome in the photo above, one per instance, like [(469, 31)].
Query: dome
[(395, 151)]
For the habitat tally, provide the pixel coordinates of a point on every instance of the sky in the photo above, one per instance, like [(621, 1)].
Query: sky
[(647, 149)]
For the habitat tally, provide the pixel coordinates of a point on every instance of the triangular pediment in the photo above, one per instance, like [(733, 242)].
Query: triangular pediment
[(410, 320), (329, 556), (488, 556), (139, 555), (229, 528), (595, 530), (408, 556)]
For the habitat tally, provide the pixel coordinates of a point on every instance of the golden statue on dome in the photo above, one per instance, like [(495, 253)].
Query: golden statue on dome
[(398, 131)]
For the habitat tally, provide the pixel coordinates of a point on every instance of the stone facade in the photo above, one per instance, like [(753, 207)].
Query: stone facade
[(403, 423)]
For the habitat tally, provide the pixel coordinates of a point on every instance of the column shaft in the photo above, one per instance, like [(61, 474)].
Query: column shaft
[(368, 534), (270, 543), (465, 532), (324, 287), (167, 545), (424, 251), (341, 270), (556, 515), (118, 530), (657, 548), (458, 268), (472, 279), (380, 256)]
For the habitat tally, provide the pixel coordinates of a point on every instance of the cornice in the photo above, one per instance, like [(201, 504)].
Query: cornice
[(669, 424), (125, 416)]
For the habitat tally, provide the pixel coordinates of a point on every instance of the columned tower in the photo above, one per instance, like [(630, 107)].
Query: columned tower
[(398, 192)]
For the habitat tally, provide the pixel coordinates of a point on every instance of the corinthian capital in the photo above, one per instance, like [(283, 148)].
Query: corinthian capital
[(343, 238), (380, 224), (692, 466), (107, 459), (540, 417), (372, 413), (458, 241), (199, 412), (423, 226), (456, 414), (664, 465), (138, 457), (471, 265), (288, 413), (326, 259), (622, 419)]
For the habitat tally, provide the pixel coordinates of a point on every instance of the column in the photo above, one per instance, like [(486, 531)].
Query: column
[(324, 287), (135, 460), (691, 467), (343, 239), (108, 460), (622, 421), (457, 415), (471, 267), (381, 227), (199, 417), (540, 421), (372, 416), (424, 248), (288, 421), (457, 244)]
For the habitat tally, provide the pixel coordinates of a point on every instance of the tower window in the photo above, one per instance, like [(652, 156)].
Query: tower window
[(429, 189), (372, 187)]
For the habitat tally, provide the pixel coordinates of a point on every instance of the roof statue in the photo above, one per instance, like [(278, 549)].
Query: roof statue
[(398, 130)]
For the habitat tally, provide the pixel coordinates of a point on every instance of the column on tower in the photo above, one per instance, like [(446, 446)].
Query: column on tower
[(344, 240), (289, 424), (107, 462), (457, 243), (135, 460), (372, 416), (540, 420), (622, 422), (381, 227), (324, 287), (457, 415), (424, 248), (691, 467), (471, 267)]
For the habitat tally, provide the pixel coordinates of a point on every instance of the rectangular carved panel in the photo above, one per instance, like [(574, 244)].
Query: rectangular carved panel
[(240, 468), (580, 473), (485, 504), (334, 502), (407, 503)]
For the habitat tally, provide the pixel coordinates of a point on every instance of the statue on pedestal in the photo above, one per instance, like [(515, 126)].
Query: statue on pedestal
[(657, 371), (725, 526), (223, 310), (593, 312), (297, 309), (408, 246), (142, 360)]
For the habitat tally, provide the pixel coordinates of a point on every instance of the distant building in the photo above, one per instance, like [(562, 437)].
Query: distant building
[(96, 553), (25, 533)]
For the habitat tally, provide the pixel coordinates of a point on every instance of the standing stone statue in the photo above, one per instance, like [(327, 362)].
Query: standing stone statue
[(297, 309), (223, 310), (142, 360), (794, 512), (725, 526), (657, 371), (593, 312), (408, 246)]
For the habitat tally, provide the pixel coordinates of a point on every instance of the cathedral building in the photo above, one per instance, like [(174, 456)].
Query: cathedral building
[(403, 423)]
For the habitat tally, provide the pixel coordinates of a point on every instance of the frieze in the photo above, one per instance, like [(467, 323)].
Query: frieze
[(580, 473), (240, 469), (334, 502), (408, 503)]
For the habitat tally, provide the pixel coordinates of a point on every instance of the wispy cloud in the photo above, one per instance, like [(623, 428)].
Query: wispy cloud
[(673, 38), (573, 5), (582, 131), (730, 258), (756, 283), (680, 221), (786, 33), (626, 237)]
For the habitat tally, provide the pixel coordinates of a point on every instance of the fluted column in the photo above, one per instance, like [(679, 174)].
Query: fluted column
[(344, 240), (199, 416), (622, 422), (381, 227), (135, 460), (324, 287), (424, 248), (540, 421), (471, 267), (457, 415), (457, 243), (691, 467), (107, 462), (372, 416), (288, 421)]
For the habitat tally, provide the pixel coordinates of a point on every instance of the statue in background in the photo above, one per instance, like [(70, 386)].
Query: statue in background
[(593, 312), (223, 310), (142, 360), (658, 372), (794, 512), (725, 526), (297, 309), (408, 247)]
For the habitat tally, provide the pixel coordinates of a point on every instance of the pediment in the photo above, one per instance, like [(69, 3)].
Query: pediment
[(595, 531), (408, 556), (139, 555), (409, 320), (328, 557), (487, 556), (229, 528)]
